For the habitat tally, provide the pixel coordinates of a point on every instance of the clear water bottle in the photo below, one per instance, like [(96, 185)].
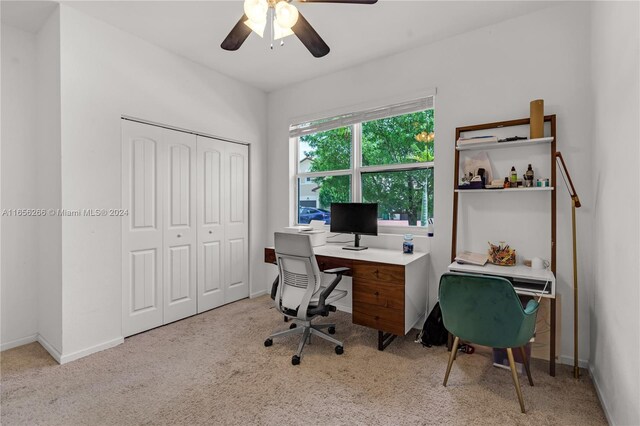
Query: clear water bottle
[(407, 245)]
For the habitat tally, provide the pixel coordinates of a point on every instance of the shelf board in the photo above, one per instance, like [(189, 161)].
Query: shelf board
[(496, 145), (534, 189)]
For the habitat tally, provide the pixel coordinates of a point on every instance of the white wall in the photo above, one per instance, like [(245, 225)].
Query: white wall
[(489, 74), (107, 73), (614, 305), (19, 234), (49, 187)]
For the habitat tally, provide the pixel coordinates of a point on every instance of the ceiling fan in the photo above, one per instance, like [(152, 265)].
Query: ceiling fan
[(284, 19)]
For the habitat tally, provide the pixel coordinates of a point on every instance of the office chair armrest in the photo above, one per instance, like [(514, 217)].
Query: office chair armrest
[(532, 307), (274, 288), (336, 271), (327, 291)]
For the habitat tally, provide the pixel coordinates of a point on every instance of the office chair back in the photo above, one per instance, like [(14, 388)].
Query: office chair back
[(485, 310), (298, 270)]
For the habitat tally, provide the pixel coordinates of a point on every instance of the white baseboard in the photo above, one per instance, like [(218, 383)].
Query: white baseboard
[(55, 354), (568, 360), (91, 350), (257, 294), (603, 402), (49, 348), (19, 342)]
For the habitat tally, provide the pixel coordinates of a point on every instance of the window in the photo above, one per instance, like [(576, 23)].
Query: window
[(383, 156)]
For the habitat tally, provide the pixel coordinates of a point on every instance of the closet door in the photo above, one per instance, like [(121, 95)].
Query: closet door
[(211, 236), (236, 223), (179, 225), (142, 229)]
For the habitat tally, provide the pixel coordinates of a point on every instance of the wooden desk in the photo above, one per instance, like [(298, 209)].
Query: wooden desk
[(389, 288), (526, 282)]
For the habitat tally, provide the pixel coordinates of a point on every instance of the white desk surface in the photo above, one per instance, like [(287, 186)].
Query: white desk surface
[(378, 255), (517, 271)]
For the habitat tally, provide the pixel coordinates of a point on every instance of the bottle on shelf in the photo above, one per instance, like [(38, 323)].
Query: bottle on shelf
[(513, 177), (506, 183), (528, 177)]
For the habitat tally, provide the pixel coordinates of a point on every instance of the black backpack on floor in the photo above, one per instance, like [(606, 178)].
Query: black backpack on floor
[(433, 332)]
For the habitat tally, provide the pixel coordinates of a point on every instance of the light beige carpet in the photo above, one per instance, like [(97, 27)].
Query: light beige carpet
[(213, 369)]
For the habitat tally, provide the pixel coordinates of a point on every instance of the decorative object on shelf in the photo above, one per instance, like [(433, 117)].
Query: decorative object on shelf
[(536, 126), (474, 165), (476, 139), (407, 245), (513, 139), (543, 183), (537, 263), (528, 177), (575, 203), (501, 254)]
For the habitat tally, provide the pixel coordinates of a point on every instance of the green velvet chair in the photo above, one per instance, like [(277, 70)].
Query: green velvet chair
[(486, 310)]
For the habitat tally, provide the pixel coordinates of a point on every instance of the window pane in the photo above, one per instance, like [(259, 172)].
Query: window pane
[(325, 151), (398, 140), (315, 197), (404, 197)]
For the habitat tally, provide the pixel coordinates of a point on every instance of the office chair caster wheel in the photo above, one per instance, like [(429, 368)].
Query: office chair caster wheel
[(339, 350), (295, 360), (286, 319), (293, 325), (331, 330), (268, 342)]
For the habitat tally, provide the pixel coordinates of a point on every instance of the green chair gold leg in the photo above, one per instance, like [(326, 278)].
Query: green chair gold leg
[(516, 382), (525, 360), (454, 349)]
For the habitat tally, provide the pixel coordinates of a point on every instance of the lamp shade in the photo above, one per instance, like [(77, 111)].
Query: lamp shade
[(286, 14), (257, 27), (256, 10)]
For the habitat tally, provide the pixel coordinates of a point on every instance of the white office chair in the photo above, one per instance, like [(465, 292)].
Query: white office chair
[(298, 292)]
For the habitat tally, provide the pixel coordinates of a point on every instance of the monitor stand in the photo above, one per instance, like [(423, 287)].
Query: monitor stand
[(356, 245)]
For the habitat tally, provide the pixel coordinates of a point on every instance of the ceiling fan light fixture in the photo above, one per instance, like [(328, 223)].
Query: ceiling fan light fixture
[(256, 27), (286, 14), (256, 10), (280, 32)]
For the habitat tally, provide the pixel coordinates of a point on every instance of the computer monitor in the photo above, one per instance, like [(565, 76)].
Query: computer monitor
[(354, 218)]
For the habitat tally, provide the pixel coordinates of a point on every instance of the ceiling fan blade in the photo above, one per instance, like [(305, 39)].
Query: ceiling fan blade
[(309, 37), (340, 1), (237, 36)]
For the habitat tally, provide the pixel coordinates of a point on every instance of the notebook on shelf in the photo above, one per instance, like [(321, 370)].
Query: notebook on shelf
[(467, 257)]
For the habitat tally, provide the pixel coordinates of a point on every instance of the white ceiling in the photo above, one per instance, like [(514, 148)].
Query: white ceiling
[(355, 33)]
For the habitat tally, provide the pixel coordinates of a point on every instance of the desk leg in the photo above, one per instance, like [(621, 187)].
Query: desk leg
[(384, 339), (552, 343)]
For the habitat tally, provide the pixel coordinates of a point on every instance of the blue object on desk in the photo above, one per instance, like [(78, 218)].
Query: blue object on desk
[(407, 245)]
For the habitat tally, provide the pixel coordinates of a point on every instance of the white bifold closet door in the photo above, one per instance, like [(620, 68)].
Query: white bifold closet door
[(159, 237), (223, 197), (185, 240)]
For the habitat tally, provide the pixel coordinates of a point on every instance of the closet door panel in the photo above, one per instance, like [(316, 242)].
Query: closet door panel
[(142, 229), (180, 293), (211, 231), (236, 223)]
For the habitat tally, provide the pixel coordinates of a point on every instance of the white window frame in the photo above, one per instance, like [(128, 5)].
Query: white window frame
[(355, 172)]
